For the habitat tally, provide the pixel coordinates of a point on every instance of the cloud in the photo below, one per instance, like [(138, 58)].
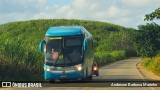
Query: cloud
[(115, 12), (20, 6), (63, 9), (128, 13), (137, 3), (94, 6)]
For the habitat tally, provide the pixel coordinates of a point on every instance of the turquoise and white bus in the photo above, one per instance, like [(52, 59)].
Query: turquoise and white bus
[(68, 52)]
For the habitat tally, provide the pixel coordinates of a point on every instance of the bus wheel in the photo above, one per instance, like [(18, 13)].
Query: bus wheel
[(86, 73), (82, 79), (90, 77), (52, 81)]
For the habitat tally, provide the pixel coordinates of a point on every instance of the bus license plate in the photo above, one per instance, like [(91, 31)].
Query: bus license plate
[(64, 76)]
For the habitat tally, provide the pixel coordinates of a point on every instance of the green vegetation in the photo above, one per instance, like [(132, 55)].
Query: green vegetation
[(19, 53), (152, 64), (147, 42), (105, 57), (153, 15)]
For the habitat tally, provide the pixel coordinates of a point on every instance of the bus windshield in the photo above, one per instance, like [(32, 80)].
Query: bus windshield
[(64, 51)]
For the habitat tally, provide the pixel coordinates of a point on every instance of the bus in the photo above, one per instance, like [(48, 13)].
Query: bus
[(68, 52)]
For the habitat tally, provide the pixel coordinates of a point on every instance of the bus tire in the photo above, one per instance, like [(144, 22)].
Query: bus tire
[(84, 76), (52, 81), (82, 79), (86, 73), (90, 77)]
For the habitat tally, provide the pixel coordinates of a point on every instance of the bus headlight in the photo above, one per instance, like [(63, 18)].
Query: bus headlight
[(79, 67), (47, 69)]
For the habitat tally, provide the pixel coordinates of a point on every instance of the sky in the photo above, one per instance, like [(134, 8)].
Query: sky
[(128, 13)]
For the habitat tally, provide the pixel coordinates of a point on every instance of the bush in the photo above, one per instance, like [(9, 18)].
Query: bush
[(146, 62), (102, 58), (152, 64), (158, 55), (105, 57), (131, 53), (118, 55), (157, 65)]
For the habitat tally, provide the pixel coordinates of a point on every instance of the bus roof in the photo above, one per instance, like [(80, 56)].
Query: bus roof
[(65, 31)]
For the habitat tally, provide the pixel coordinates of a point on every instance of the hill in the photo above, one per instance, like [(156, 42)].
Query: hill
[(19, 41)]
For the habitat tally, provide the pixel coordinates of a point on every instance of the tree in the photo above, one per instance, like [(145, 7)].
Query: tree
[(153, 15), (147, 40)]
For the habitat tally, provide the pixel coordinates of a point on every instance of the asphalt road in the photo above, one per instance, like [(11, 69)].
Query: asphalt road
[(120, 73)]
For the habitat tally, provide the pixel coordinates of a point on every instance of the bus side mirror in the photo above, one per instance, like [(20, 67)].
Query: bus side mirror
[(85, 45), (41, 45)]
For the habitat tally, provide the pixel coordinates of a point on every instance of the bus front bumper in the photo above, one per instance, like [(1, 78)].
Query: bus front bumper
[(63, 75)]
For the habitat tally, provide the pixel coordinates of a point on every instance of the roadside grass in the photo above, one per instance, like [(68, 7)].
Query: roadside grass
[(11, 71), (152, 64), (103, 58)]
